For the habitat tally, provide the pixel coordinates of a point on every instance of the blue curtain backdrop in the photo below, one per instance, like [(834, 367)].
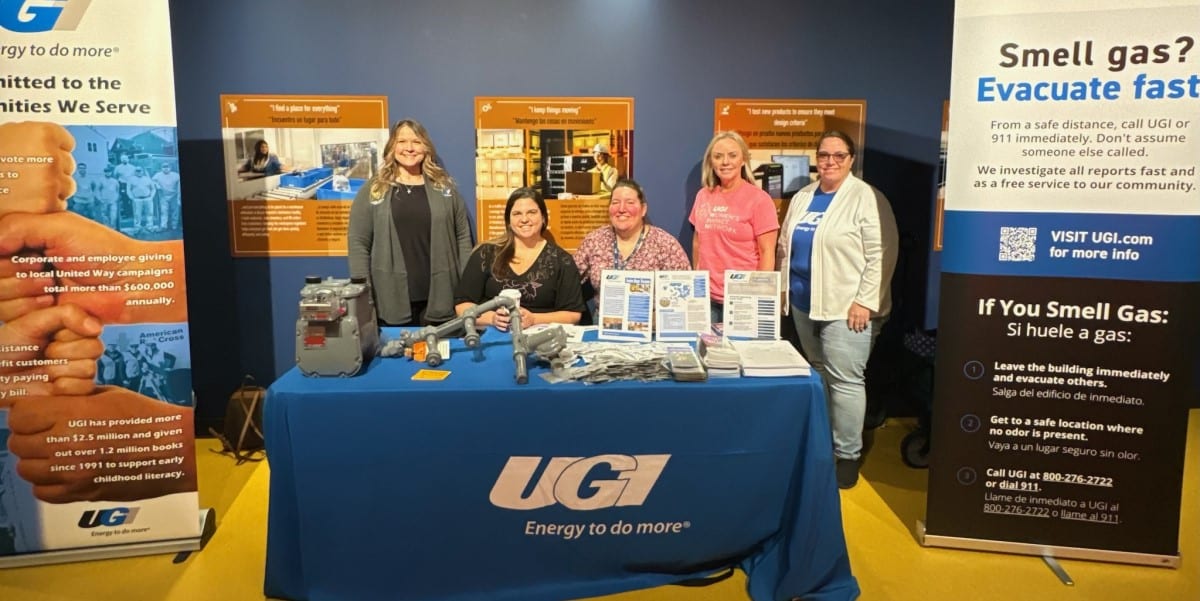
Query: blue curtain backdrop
[(432, 57)]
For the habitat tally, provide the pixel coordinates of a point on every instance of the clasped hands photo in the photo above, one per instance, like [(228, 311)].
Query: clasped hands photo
[(63, 279)]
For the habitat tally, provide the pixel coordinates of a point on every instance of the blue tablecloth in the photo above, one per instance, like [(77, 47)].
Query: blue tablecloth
[(387, 488)]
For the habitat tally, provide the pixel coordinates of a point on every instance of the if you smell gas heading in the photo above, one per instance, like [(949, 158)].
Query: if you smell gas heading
[(1081, 53), (1099, 311)]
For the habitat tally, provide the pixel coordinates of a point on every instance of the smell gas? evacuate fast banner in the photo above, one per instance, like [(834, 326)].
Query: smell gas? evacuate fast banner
[(1067, 340)]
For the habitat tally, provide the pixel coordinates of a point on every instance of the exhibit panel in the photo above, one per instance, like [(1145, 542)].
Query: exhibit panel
[(782, 135), (292, 166), (571, 150)]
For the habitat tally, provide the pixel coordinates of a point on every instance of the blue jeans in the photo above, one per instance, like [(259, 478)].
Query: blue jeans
[(840, 355)]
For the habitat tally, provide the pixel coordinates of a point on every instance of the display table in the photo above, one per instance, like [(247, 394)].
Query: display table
[(476, 489)]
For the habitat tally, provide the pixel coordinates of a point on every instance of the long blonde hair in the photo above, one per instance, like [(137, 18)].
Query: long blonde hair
[(430, 167), (709, 177)]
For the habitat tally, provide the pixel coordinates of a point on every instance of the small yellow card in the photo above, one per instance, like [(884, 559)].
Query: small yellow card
[(431, 374)]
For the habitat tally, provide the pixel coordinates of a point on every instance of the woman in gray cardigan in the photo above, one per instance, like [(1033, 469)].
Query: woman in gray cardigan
[(409, 233)]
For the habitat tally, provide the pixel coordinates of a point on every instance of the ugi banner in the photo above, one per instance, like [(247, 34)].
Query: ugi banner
[(96, 419), (1067, 353), (292, 167), (571, 149), (783, 134)]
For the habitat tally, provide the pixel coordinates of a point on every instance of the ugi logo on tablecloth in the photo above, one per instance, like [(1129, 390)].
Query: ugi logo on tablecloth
[(563, 478)]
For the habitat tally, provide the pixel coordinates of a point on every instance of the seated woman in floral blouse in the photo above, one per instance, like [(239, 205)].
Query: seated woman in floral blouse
[(628, 242)]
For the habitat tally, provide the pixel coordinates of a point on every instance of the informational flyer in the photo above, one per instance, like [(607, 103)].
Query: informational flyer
[(572, 150), (97, 442), (626, 307), (682, 307), (752, 304), (293, 165), (1067, 346), (783, 135)]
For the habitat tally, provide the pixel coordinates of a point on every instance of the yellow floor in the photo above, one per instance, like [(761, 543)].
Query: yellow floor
[(879, 515)]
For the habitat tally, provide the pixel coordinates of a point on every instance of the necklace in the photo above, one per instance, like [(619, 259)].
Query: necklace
[(530, 254), (618, 262), (409, 187)]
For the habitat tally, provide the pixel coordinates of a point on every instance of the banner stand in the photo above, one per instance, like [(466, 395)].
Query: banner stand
[(1060, 409), (1058, 570), (208, 526), (1045, 551)]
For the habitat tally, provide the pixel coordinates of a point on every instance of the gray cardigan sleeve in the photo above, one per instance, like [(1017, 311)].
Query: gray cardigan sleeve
[(462, 229), (361, 233)]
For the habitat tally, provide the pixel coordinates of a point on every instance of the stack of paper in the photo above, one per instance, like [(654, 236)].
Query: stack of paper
[(685, 365), (719, 357), (770, 358)]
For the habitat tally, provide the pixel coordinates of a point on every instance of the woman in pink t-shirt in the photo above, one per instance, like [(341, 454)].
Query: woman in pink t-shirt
[(735, 220)]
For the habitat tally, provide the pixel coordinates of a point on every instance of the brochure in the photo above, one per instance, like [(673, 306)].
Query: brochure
[(626, 305), (752, 305), (682, 309)]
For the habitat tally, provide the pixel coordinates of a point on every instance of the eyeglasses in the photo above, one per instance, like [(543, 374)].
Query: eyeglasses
[(836, 157)]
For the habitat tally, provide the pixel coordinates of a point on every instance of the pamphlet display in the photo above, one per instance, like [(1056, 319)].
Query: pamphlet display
[(681, 305), (626, 306), (752, 304)]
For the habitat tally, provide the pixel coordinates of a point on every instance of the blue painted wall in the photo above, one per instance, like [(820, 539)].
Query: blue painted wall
[(432, 57)]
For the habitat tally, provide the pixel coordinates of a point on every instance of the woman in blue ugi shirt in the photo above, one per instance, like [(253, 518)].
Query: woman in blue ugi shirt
[(838, 249)]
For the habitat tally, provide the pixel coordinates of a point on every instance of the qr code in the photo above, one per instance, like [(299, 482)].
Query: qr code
[(1018, 243)]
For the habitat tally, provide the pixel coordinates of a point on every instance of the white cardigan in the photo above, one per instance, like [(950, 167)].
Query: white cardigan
[(854, 251)]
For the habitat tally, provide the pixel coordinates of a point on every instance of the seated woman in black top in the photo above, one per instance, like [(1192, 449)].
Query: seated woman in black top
[(526, 259)]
